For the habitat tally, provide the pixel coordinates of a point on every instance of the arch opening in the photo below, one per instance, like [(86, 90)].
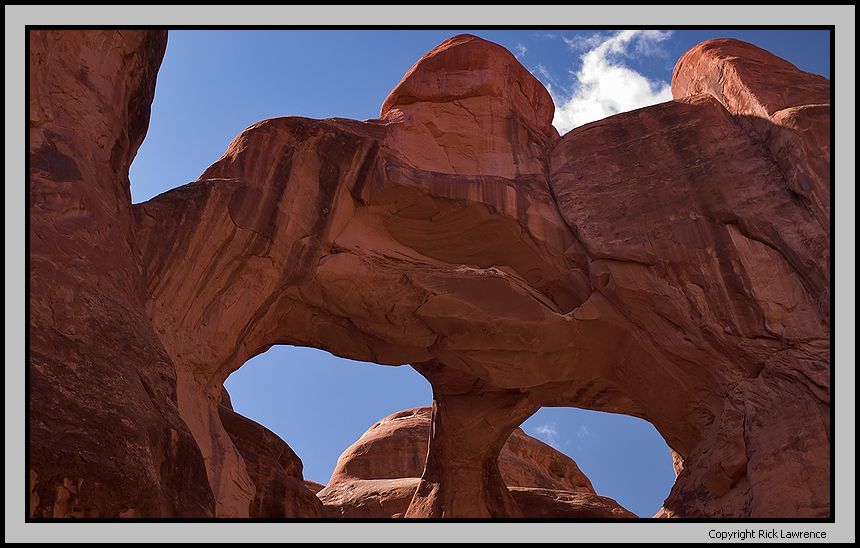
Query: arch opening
[(625, 457), (366, 434), (285, 389)]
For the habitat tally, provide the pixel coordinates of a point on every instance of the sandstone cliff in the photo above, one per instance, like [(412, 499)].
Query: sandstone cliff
[(106, 435)]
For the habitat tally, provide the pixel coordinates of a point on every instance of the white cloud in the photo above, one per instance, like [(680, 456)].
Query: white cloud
[(650, 43), (581, 43), (548, 433), (584, 431), (604, 85), (521, 50), (541, 72)]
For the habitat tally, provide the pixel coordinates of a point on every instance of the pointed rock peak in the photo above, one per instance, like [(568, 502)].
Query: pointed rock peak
[(745, 78), (467, 67)]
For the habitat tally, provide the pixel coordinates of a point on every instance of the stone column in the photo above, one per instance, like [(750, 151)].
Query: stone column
[(469, 428)]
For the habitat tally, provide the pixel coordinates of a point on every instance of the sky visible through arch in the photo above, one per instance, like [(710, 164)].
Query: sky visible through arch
[(214, 84)]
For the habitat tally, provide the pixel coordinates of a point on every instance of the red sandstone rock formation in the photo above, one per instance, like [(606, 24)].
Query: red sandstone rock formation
[(273, 467), (670, 263), (768, 93), (106, 436), (377, 476), (552, 503), (396, 447), (314, 486)]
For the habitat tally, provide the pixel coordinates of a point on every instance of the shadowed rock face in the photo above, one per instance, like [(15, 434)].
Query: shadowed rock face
[(106, 435), (273, 467), (670, 263)]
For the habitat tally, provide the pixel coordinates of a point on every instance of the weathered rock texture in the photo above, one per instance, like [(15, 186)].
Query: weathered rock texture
[(377, 476), (670, 263), (274, 468), (396, 447), (554, 503), (106, 435)]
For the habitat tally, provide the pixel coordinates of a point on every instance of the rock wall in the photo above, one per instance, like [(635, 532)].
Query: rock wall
[(106, 436), (670, 263)]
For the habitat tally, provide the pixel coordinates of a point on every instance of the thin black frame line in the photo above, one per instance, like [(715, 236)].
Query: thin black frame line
[(832, 236), (27, 277), (426, 27), (425, 520), (830, 519)]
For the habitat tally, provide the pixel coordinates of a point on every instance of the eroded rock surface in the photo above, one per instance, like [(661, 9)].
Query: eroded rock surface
[(274, 469), (396, 447), (553, 503), (670, 263), (377, 476), (106, 435)]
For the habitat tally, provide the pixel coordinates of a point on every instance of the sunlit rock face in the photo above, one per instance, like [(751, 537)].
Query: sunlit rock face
[(670, 263), (376, 477)]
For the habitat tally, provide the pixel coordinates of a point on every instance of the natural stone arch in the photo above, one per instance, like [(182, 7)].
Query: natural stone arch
[(369, 240), (378, 475), (390, 263)]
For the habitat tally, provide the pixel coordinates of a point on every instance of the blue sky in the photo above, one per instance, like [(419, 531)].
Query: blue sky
[(213, 84)]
